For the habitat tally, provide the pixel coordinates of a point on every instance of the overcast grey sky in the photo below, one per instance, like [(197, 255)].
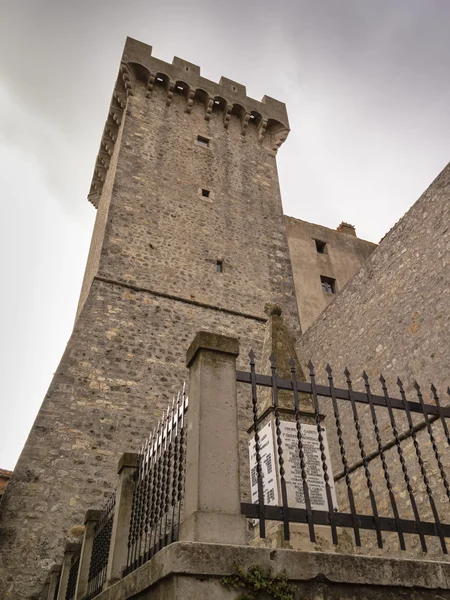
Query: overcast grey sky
[(367, 87)]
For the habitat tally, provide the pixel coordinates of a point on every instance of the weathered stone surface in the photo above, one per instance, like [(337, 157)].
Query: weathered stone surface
[(394, 318), (151, 284), (193, 570), (343, 256)]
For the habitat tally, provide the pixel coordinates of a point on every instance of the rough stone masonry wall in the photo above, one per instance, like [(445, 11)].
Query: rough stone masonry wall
[(155, 286), (393, 318)]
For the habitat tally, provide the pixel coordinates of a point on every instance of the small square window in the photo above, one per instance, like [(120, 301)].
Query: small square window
[(321, 247), (328, 284), (205, 193), (202, 141), (219, 266)]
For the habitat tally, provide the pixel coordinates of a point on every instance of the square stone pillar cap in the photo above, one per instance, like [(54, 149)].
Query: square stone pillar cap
[(128, 459), (71, 547), (92, 515), (205, 340), (56, 569)]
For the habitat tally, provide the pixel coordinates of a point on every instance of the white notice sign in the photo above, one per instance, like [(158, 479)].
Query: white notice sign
[(293, 475)]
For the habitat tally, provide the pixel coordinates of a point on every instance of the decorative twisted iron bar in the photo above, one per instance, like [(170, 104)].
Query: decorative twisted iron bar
[(158, 486), (431, 413)]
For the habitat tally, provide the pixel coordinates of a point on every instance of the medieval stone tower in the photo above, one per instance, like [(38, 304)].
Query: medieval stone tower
[(189, 235)]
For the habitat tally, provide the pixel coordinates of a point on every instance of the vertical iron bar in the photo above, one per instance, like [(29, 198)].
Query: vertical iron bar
[(143, 504), (181, 458), (422, 467), (158, 468), (169, 466), (262, 512), (362, 451), (163, 481), (323, 457), (175, 470), (432, 440), (403, 464), (301, 450), (337, 419), (148, 492), (279, 448), (438, 405), (398, 526)]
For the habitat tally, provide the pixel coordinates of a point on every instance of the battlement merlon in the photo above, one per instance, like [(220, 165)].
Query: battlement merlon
[(184, 71), (138, 67)]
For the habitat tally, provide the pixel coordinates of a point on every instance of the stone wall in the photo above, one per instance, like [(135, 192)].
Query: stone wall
[(151, 283), (341, 257), (184, 571), (393, 318)]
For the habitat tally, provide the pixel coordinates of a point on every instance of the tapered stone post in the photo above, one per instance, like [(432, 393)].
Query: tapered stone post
[(53, 581), (69, 551), (118, 548), (90, 520), (212, 497)]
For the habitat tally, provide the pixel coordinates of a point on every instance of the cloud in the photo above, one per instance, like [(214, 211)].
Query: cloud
[(367, 90)]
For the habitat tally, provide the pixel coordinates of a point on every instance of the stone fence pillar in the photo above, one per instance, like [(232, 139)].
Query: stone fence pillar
[(69, 551), (212, 496), (53, 581), (90, 520), (118, 548)]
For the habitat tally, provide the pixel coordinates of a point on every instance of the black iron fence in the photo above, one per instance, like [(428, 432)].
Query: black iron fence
[(158, 487), (100, 549), (307, 492), (73, 573)]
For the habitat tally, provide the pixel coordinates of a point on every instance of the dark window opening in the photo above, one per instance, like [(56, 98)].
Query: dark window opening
[(219, 266), (187, 68), (205, 193), (328, 284), (202, 141), (321, 246)]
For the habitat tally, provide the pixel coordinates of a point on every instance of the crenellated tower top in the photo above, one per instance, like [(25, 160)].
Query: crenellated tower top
[(139, 70)]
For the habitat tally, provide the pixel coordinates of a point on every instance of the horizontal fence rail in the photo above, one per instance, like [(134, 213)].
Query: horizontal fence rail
[(100, 549), (306, 427), (158, 487)]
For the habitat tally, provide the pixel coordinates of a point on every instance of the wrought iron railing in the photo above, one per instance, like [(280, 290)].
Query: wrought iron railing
[(299, 496), (158, 487), (73, 573), (100, 549)]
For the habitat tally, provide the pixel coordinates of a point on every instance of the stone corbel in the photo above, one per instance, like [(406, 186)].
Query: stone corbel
[(104, 159), (108, 146), (209, 108), (190, 101), (151, 83), (245, 121), (227, 115), (121, 98), (115, 115), (100, 172), (280, 138), (126, 80), (262, 129), (170, 93), (112, 130)]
